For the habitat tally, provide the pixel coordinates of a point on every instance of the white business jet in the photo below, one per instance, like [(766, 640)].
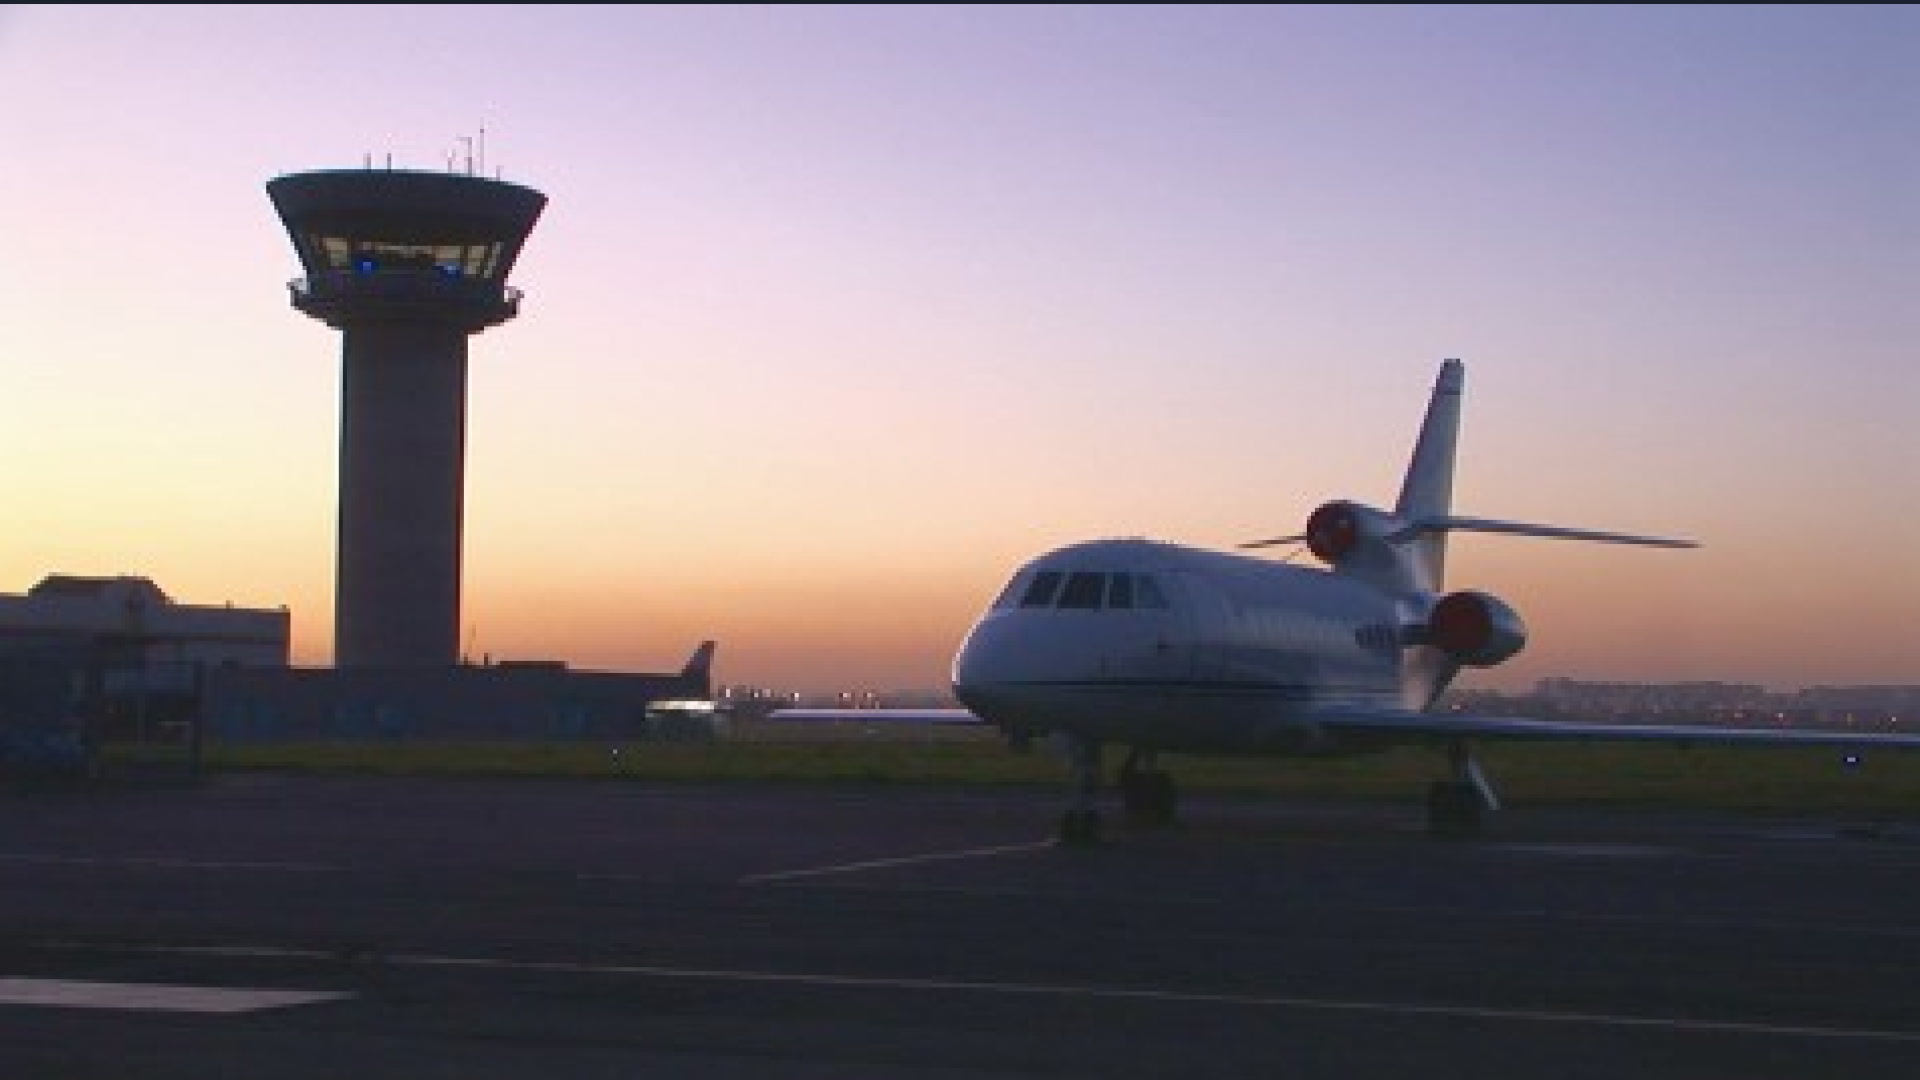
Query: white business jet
[(1160, 647)]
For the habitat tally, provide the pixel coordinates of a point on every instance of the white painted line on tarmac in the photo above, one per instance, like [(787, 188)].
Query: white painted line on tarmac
[(1717, 920), (153, 997), (1585, 850), (1392, 1008), (903, 860), (150, 862), (1683, 1024)]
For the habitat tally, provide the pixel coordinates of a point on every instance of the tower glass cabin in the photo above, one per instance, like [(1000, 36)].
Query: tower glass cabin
[(406, 265)]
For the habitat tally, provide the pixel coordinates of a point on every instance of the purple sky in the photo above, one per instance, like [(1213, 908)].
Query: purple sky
[(837, 314)]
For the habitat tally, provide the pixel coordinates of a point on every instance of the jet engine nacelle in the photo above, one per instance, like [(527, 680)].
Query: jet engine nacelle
[(1475, 629), (1336, 530)]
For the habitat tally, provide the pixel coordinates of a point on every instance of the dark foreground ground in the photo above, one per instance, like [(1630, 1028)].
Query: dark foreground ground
[(271, 926)]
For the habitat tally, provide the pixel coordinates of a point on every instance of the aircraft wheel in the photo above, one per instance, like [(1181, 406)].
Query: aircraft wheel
[(1148, 797), (1453, 809), (1160, 798)]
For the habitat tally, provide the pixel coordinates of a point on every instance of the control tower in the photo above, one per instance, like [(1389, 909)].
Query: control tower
[(407, 266)]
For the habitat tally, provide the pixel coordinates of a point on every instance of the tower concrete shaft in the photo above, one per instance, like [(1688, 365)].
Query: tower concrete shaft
[(406, 266), (403, 408)]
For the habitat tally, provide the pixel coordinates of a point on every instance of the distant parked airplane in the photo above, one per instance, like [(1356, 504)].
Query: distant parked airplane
[(1163, 647)]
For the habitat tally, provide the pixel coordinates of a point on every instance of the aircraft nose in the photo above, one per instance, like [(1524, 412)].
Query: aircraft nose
[(1001, 649), (997, 656)]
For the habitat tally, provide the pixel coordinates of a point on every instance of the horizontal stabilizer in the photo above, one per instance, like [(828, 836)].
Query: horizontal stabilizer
[(1450, 523)]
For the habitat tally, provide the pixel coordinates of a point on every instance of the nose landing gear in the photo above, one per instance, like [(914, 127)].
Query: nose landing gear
[(1080, 825), (1147, 793)]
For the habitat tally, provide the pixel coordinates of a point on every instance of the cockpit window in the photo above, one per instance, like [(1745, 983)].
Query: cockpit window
[(1147, 592), (1007, 593), (1041, 589), (1010, 595), (1084, 590)]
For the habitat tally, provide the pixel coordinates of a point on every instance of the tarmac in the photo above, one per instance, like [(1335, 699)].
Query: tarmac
[(262, 925)]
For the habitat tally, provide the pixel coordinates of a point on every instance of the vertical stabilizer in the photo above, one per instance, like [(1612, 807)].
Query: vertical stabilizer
[(1427, 491), (700, 667)]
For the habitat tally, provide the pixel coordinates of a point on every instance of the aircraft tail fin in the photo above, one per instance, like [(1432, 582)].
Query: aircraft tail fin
[(700, 664), (1423, 516), (1427, 491)]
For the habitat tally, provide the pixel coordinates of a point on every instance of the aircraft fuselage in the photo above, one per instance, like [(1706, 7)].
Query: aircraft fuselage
[(1175, 648)]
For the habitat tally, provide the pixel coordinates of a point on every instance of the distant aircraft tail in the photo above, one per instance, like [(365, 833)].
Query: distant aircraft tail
[(700, 666)]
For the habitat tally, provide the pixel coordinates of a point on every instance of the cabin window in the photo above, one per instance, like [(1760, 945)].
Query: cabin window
[(1084, 589), (1040, 591)]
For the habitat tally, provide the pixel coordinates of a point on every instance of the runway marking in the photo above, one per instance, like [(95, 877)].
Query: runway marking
[(903, 860), (165, 863), (1187, 997), (153, 997), (1718, 922), (1587, 849), (1689, 1025)]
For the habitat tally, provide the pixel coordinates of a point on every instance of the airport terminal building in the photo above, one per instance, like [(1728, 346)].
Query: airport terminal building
[(120, 655), (128, 623), (119, 658)]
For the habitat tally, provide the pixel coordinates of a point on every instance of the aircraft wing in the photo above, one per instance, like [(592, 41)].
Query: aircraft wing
[(1406, 724), (1411, 726), (879, 716)]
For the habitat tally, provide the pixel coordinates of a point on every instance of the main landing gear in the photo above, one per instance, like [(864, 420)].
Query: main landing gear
[(1454, 806), (1147, 792)]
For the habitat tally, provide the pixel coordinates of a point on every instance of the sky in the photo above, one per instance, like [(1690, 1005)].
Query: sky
[(837, 314)]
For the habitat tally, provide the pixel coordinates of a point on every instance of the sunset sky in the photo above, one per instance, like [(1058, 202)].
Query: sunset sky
[(838, 314)]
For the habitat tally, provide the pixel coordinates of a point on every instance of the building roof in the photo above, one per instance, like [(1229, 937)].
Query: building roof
[(76, 586)]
